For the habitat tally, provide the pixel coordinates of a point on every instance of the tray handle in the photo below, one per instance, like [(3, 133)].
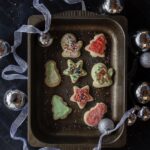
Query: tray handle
[(76, 13)]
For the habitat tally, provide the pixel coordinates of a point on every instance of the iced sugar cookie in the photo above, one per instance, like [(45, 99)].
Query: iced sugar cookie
[(59, 108), (52, 76), (81, 96), (75, 70), (71, 47), (97, 46), (101, 76), (95, 114)]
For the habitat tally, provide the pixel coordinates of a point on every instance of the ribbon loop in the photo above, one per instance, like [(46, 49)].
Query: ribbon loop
[(22, 64)]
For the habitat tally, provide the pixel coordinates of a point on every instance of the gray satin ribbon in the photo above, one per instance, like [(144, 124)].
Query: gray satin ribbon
[(17, 123), (75, 2), (22, 65), (122, 121)]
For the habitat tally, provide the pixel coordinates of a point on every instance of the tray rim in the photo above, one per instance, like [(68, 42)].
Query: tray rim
[(122, 23)]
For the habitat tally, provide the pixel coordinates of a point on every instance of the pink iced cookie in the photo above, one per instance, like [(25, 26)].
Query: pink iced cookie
[(95, 114)]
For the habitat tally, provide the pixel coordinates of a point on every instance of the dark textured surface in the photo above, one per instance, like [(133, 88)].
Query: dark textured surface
[(14, 13)]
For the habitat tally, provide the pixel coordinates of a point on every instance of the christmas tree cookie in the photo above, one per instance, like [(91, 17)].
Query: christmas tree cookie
[(97, 46), (74, 70), (59, 108), (101, 75)]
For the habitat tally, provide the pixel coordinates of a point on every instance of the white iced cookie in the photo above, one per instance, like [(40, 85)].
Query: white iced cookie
[(71, 47)]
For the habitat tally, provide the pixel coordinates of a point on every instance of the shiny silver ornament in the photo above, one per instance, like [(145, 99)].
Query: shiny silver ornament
[(4, 48), (145, 60), (143, 93), (144, 113), (142, 40), (105, 124), (45, 40), (112, 6), (14, 99), (133, 117)]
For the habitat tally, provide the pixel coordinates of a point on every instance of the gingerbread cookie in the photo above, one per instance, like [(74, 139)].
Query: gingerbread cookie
[(97, 46), (52, 76), (71, 47), (101, 76), (59, 108), (95, 114), (81, 96), (74, 70)]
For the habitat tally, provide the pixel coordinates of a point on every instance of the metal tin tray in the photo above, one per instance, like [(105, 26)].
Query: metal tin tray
[(72, 133)]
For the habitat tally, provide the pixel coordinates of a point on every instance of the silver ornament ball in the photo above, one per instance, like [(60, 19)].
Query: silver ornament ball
[(143, 93), (132, 119), (105, 124), (45, 40), (14, 99), (142, 40), (4, 48), (144, 113), (145, 60), (112, 6)]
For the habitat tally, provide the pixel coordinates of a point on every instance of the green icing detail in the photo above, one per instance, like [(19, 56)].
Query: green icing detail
[(59, 108)]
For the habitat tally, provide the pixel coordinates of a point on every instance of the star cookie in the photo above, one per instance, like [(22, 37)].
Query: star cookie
[(101, 75), (97, 46), (74, 70), (81, 96), (71, 47)]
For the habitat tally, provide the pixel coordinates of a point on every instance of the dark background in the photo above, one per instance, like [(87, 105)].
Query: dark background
[(14, 13)]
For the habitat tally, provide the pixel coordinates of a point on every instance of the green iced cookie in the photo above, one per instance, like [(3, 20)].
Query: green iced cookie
[(52, 76), (59, 108), (74, 70), (102, 77)]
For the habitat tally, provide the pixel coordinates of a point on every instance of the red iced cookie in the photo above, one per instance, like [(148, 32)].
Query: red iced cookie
[(81, 96), (97, 46), (95, 114)]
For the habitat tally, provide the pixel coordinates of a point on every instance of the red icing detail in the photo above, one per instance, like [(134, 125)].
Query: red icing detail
[(101, 74), (98, 46), (82, 95), (96, 114)]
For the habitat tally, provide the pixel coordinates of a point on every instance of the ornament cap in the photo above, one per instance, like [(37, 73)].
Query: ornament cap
[(45, 40)]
